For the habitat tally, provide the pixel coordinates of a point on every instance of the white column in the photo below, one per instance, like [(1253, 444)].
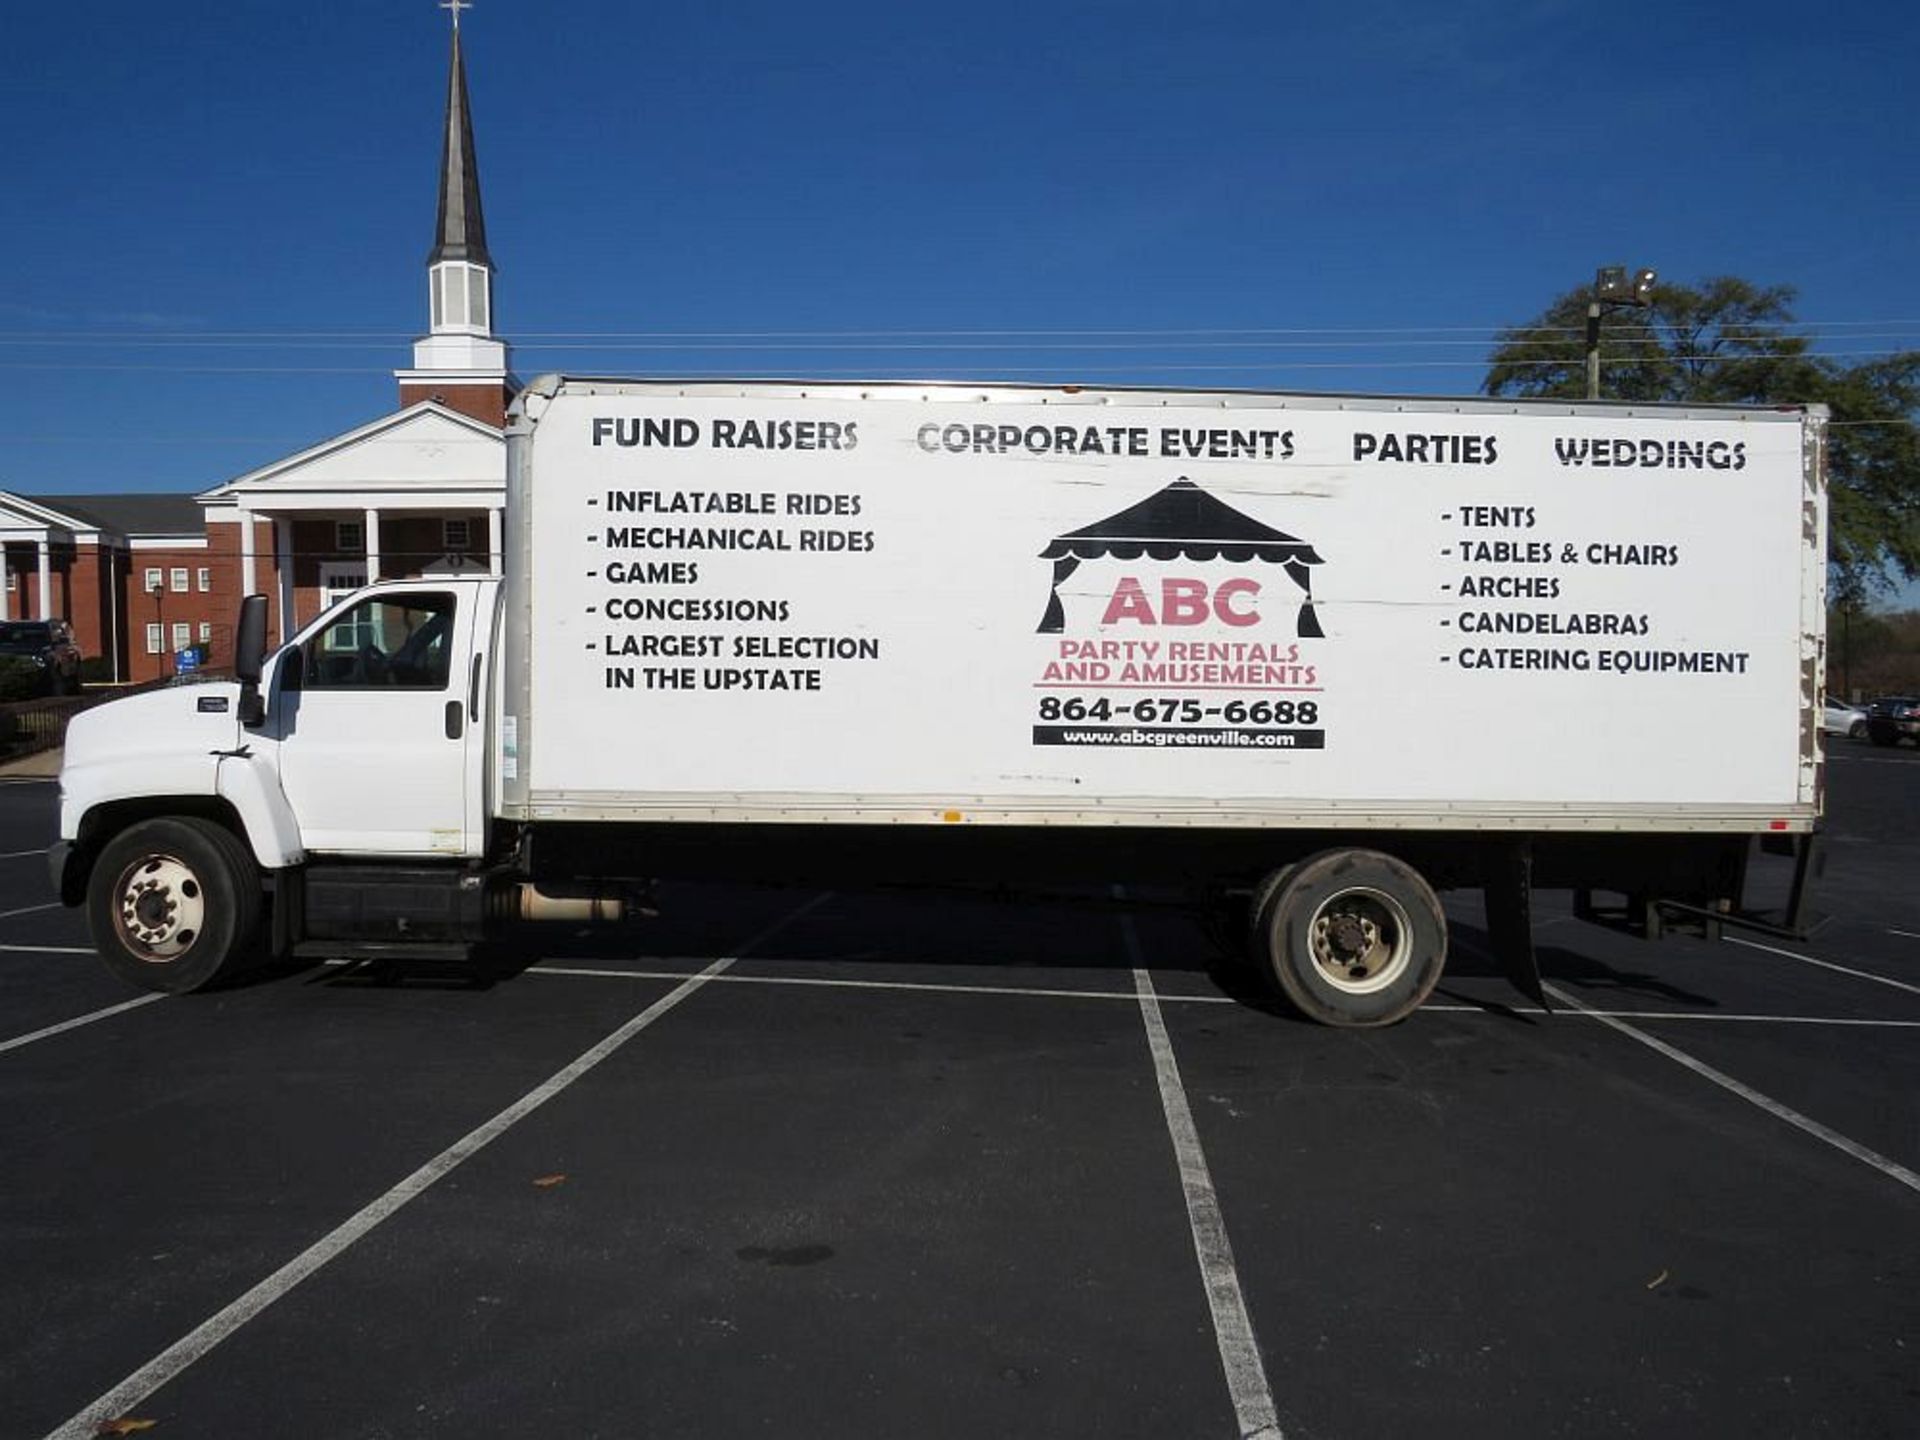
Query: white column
[(372, 533), (283, 562), (495, 541), (46, 580), (249, 579), (6, 594)]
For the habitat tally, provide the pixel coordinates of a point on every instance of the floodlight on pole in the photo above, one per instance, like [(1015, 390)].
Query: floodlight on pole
[(1615, 287)]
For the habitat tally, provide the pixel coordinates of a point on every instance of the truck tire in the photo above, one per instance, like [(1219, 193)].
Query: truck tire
[(1353, 937), (1254, 940), (174, 904)]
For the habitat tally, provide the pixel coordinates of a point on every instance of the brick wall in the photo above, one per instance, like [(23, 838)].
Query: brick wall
[(485, 402), (207, 614)]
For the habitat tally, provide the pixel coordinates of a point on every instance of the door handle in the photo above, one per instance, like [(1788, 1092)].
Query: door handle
[(454, 719)]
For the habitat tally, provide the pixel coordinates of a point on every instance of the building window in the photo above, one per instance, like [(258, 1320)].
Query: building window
[(179, 586), (153, 638), (182, 634), (206, 630), (349, 535), (203, 579), (153, 579), (456, 536)]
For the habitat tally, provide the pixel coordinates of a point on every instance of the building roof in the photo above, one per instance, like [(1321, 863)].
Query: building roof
[(425, 448), (462, 230), (130, 514)]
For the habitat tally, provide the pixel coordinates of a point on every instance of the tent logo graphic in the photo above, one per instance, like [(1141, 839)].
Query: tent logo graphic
[(1182, 521)]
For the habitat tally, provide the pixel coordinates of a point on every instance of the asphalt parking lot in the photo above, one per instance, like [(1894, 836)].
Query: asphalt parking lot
[(929, 1165)]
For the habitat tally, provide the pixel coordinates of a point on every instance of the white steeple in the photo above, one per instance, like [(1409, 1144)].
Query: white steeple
[(459, 362)]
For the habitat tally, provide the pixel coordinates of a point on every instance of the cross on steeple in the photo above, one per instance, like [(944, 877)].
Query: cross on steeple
[(456, 6)]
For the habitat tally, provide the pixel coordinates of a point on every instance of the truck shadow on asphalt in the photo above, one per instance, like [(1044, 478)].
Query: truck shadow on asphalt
[(1592, 980), (995, 939)]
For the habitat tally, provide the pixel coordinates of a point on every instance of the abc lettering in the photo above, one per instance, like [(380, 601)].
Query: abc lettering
[(1185, 602)]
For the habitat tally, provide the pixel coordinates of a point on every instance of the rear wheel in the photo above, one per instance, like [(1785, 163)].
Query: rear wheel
[(1353, 937), (1857, 731), (174, 904)]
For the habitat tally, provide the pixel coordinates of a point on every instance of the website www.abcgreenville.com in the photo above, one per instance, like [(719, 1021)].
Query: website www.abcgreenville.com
[(1212, 738)]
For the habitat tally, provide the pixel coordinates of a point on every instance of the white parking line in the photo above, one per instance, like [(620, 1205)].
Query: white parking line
[(49, 949), (23, 854), (1773, 1107), (29, 909), (184, 1352), (1232, 1328), (827, 983), (1905, 934), (1826, 964), (77, 1022), (1133, 996), (1715, 1015)]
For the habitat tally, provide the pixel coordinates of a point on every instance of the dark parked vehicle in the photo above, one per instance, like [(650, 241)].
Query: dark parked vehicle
[(48, 645), (1893, 718)]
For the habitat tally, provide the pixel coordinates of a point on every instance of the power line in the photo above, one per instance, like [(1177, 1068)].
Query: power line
[(76, 335), (971, 372)]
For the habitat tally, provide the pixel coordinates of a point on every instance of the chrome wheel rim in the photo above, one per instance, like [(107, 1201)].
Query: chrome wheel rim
[(160, 908), (1361, 940)]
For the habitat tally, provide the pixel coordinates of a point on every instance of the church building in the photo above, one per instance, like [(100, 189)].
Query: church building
[(418, 492)]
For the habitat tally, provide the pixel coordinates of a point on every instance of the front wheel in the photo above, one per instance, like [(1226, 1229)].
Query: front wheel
[(174, 904), (1354, 938)]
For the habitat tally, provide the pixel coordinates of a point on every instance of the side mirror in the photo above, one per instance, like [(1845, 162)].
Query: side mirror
[(250, 657), (250, 640)]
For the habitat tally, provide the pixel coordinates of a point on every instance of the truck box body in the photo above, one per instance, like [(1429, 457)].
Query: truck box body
[(953, 604), (1313, 659)]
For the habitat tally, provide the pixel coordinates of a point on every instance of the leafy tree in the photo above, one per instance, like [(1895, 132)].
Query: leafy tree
[(1730, 342), (1872, 654)]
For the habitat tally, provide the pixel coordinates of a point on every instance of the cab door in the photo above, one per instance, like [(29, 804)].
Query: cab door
[(375, 727)]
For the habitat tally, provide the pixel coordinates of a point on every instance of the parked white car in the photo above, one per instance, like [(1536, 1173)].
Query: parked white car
[(1844, 720)]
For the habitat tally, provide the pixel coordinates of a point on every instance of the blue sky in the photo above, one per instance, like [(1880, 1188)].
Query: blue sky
[(217, 220)]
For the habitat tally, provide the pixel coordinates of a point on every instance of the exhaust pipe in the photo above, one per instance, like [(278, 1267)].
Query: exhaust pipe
[(526, 901)]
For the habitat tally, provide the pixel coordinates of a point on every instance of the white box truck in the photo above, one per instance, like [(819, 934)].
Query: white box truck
[(1330, 655)]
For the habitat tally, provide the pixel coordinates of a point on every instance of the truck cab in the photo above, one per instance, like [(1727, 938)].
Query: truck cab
[(364, 738)]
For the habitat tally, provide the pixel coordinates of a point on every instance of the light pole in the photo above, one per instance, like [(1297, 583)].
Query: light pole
[(160, 623), (1612, 290)]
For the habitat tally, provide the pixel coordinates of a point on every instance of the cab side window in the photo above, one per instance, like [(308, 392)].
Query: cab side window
[(390, 642)]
